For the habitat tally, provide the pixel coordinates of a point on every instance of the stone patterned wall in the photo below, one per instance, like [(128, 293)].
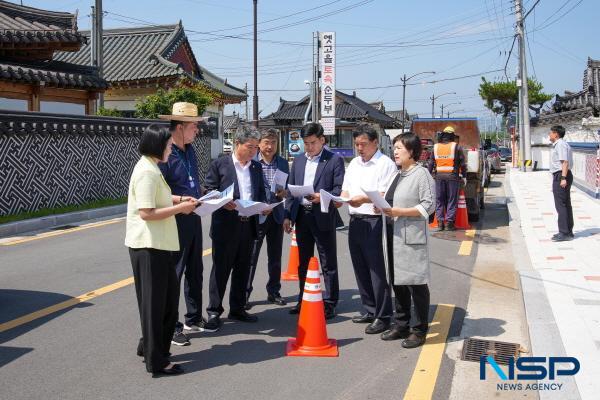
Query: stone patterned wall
[(49, 160)]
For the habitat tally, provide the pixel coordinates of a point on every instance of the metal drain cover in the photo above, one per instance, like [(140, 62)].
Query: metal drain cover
[(63, 227), (473, 349)]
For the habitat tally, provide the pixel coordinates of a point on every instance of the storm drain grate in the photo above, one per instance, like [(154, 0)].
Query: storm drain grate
[(473, 349), (63, 227)]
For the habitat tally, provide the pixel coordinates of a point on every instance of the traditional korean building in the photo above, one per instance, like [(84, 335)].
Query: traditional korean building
[(32, 78), (579, 113), (138, 61), (349, 111)]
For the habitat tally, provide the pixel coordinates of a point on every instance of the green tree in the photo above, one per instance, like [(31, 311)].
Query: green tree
[(109, 112), (503, 97), (162, 101)]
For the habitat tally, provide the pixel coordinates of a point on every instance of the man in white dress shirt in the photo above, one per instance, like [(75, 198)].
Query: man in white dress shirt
[(371, 170)]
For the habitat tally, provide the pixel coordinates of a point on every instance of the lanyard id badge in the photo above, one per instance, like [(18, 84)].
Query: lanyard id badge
[(192, 184)]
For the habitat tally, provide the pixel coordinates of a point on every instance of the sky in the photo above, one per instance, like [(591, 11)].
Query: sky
[(378, 42)]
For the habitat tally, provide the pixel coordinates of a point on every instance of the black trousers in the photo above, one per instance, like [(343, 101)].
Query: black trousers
[(307, 235), (274, 234), (411, 301), (190, 264), (231, 257), (366, 251), (416, 318), (157, 291), (562, 202)]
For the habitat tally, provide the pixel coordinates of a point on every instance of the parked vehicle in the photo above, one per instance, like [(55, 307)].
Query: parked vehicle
[(493, 157), (469, 139), (227, 146), (505, 154)]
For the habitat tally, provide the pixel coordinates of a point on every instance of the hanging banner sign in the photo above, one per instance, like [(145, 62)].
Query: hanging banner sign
[(327, 63)]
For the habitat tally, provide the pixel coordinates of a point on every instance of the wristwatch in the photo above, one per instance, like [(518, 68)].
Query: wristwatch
[(563, 178)]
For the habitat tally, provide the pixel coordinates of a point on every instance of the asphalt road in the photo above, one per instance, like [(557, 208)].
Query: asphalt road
[(88, 350)]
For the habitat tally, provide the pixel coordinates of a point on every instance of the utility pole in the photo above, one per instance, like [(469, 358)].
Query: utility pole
[(246, 90), (525, 135), (315, 80), (255, 98), (404, 80), (99, 49), (432, 98)]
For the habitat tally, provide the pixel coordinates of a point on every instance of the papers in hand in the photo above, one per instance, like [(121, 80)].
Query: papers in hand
[(326, 198), (279, 181), (301, 191), (213, 194), (248, 208), (377, 199), (212, 204)]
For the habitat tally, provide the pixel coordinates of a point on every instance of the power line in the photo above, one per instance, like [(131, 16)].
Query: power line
[(393, 85)]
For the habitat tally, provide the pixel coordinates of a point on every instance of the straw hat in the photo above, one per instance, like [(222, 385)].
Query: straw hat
[(182, 111)]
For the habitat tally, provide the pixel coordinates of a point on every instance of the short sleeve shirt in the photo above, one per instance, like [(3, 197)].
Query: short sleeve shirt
[(561, 151), (148, 189), (375, 174)]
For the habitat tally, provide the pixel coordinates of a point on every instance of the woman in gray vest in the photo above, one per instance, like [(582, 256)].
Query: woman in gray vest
[(412, 197)]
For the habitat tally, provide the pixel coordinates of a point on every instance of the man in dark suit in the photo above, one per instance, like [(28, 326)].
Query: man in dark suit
[(270, 226), (321, 169), (232, 235)]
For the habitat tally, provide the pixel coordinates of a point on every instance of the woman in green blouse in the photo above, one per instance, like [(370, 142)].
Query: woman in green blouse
[(153, 243)]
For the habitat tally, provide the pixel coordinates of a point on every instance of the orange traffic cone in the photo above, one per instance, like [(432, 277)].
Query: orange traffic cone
[(293, 263), (462, 217), (311, 339), (434, 224)]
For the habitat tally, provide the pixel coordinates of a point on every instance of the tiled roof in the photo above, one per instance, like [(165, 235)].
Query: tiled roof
[(351, 108), (52, 74), (221, 85), (21, 25), (137, 54), (231, 122)]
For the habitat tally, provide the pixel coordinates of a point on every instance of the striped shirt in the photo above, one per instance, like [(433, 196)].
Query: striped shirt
[(269, 169)]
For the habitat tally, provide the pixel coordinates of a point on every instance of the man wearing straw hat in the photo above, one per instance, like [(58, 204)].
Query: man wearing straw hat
[(181, 174)]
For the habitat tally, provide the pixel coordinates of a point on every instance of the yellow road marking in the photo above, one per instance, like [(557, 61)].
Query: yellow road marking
[(467, 245), (71, 302), (65, 304), (57, 233), (426, 371)]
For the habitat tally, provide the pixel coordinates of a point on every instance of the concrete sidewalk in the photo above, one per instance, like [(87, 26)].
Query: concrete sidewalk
[(561, 290)]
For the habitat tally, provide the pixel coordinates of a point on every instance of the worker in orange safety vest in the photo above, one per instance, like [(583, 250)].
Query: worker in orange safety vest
[(447, 165)]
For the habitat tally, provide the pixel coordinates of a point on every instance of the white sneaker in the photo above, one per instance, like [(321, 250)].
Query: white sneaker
[(193, 328)]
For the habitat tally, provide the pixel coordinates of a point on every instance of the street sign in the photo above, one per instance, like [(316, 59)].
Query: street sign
[(327, 63)]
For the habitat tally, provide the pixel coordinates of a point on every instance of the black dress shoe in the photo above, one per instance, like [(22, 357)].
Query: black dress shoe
[(377, 326), (413, 340), (395, 333), (363, 318), (450, 226), (440, 227), (277, 299), (242, 316), (561, 237), (329, 312), (175, 369), (213, 324), (295, 309), (247, 306)]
